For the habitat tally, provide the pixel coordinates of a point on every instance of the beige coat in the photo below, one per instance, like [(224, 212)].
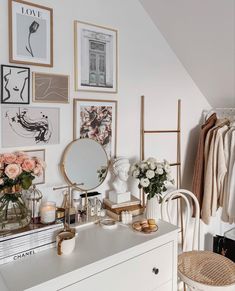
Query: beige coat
[(212, 145), (231, 180), (208, 180), (219, 168), (198, 174), (224, 198)]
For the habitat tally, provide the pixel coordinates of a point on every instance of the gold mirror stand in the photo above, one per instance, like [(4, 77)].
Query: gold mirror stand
[(68, 202)]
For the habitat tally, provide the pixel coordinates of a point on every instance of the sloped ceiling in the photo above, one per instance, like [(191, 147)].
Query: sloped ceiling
[(202, 35)]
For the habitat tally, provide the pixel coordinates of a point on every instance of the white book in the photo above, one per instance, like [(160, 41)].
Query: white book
[(133, 201), (28, 240), (11, 252), (26, 253), (34, 237), (29, 230), (34, 240)]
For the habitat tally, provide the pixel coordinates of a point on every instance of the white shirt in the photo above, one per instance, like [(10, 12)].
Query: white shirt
[(231, 180)]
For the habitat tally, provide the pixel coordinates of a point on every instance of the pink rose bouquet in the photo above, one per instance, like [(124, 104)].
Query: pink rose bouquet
[(19, 169)]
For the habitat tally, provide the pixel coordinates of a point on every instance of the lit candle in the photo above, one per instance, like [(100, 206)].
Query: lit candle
[(47, 212)]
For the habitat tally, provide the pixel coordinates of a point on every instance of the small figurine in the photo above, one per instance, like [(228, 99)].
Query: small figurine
[(120, 168)]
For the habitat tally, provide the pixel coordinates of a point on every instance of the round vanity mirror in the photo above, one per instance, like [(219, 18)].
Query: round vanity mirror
[(84, 164)]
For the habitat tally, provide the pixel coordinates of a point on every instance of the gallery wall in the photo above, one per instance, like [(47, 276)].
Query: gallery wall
[(147, 66)]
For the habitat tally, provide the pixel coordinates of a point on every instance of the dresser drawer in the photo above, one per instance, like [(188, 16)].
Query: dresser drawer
[(145, 272), (165, 287)]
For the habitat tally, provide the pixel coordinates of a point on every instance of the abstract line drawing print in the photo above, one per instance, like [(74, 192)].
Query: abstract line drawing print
[(29, 126), (15, 85), (23, 125), (50, 88)]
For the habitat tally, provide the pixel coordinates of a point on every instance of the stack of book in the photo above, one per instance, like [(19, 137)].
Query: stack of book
[(27, 242), (114, 210)]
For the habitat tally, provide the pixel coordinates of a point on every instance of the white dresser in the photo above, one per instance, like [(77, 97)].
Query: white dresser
[(103, 260)]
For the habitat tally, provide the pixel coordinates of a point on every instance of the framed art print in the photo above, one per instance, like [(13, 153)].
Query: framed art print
[(50, 88), (15, 84), (95, 58), (41, 155), (29, 126), (97, 119), (30, 33)]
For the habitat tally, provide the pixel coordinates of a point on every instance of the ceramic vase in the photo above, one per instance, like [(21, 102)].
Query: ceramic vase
[(153, 208)]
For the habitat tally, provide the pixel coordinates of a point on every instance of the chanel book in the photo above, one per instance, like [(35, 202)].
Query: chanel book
[(30, 241), (27, 253)]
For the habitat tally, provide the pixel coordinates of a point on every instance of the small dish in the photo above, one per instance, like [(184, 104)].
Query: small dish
[(108, 223)]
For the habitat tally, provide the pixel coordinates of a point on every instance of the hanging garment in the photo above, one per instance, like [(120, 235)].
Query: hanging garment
[(219, 168), (224, 198), (227, 145), (210, 171), (231, 180), (198, 175)]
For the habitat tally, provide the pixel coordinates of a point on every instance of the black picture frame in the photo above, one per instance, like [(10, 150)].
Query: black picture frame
[(18, 93)]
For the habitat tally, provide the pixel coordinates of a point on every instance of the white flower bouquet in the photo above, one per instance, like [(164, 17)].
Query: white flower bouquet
[(153, 176)]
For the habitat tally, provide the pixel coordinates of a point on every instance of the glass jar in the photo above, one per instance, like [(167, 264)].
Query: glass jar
[(48, 212), (34, 200), (14, 213)]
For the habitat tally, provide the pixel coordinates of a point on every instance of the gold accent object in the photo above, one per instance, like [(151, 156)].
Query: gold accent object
[(60, 213)]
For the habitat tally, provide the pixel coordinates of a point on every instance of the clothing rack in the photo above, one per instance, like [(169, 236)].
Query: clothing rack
[(226, 117), (228, 113)]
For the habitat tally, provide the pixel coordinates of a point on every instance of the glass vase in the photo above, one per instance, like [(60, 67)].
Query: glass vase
[(13, 211)]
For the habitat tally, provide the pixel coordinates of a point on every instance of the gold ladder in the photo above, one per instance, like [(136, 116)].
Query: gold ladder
[(176, 163)]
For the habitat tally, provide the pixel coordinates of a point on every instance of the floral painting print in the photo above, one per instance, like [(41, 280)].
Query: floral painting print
[(96, 123), (96, 119)]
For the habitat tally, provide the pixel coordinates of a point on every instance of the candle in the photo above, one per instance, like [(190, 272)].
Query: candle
[(48, 212)]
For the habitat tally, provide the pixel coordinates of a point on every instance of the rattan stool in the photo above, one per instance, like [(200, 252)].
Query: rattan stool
[(204, 270), (199, 270)]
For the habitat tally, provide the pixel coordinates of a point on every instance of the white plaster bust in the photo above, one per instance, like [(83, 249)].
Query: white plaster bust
[(120, 169)]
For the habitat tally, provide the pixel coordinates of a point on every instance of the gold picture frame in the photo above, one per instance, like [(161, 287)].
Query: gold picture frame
[(57, 84), (25, 20), (39, 153), (96, 58), (96, 119)]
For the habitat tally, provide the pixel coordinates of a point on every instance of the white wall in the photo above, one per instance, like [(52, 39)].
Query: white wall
[(202, 34), (146, 66)]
